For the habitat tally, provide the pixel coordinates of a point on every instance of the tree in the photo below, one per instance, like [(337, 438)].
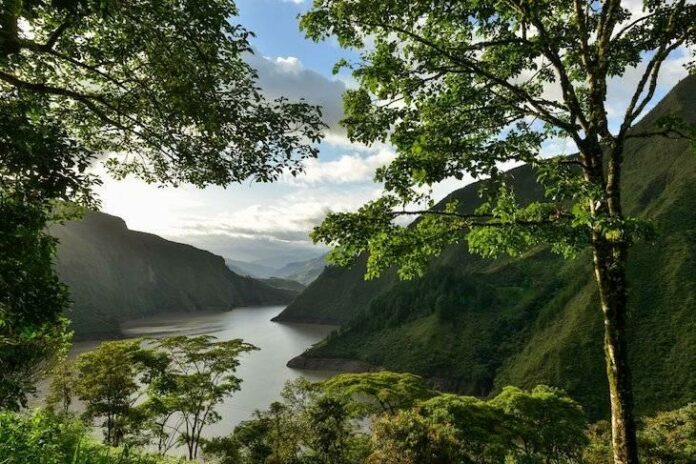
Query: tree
[(463, 87), (546, 424), (390, 391), (62, 388), (307, 426), (330, 433), (40, 165), (107, 382), (409, 438), (163, 84), (482, 430), (156, 88), (198, 377)]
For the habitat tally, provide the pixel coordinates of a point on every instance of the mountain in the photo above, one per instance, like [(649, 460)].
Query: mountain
[(245, 268), (286, 284), (115, 274), (303, 271), (474, 325)]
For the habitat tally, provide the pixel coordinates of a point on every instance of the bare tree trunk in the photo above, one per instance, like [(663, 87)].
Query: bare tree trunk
[(610, 272)]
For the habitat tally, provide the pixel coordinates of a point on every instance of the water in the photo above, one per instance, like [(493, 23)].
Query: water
[(263, 372)]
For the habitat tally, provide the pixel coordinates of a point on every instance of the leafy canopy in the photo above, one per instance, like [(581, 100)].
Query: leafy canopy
[(467, 87), (159, 85)]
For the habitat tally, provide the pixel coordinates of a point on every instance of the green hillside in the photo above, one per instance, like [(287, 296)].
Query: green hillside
[(474, 325), (115, 274)]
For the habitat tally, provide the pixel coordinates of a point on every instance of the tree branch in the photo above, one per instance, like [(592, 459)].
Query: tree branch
[(476, 68)]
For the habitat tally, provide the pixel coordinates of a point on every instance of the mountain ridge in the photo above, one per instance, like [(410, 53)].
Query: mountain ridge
[(479, 324), (115, 274)]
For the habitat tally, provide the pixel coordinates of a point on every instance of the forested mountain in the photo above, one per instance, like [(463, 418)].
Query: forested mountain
[(475, 325), (115, 274)]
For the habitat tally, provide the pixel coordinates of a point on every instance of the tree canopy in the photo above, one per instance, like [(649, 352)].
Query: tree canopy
[(465, 88), (469, 87), (160, 87)]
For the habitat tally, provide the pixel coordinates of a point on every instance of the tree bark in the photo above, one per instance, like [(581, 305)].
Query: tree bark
[(610, 272)]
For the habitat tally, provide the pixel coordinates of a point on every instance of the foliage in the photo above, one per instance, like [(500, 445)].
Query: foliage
[(382, 391), (39, 165), (547, 425), (409, 438), (50, 439), (116, 91), (107, 382), (192, 377), (460, 89), (670, 437)]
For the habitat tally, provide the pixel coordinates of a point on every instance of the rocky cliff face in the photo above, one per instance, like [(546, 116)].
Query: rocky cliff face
[(115, 274)]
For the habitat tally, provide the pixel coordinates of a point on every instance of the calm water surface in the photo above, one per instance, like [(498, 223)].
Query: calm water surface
[(263, 372)]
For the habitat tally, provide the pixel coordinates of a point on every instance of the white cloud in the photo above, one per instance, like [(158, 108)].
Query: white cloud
[(349, 168)]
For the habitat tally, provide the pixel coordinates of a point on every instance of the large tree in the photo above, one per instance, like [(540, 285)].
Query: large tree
[(39, 165), (156, 88), (161, 85), (464, 87)]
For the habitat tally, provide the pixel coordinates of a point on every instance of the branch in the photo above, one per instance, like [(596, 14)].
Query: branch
[(47, 89), (55, 36), (571, 100), (519, 222), (652, 73), (672, 134), (631, 25), (475, 68)]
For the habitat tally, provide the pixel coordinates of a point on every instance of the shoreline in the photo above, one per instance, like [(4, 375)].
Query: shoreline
[(331, 364)]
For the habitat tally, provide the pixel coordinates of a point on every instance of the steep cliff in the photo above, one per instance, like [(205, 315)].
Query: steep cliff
[(116, 274)]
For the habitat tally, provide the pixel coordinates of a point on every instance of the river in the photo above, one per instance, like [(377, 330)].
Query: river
[(263, 372)]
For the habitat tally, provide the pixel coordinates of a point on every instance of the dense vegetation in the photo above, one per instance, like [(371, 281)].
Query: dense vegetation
[(162, 393), (461, 88), (476, 325), (84, 80), (374, 418)]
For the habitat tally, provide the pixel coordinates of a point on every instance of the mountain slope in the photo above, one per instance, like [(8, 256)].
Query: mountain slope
[(116, 274), (244, 268), (476, 325), (304, 272)]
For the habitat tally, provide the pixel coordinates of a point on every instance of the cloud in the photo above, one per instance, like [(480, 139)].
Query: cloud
[(287, 77), (348, 168)]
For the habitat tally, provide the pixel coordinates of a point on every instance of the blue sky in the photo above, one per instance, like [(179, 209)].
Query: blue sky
[(270, 223)]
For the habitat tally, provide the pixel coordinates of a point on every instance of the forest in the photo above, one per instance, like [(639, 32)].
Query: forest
[(162, 91)]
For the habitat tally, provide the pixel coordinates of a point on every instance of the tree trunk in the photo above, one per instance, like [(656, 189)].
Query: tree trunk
[(610, 272)]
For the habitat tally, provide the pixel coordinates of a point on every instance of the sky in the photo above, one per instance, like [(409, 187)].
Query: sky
[(269, 223)]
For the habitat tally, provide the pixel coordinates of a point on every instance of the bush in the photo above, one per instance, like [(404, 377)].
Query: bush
[(47, 438)]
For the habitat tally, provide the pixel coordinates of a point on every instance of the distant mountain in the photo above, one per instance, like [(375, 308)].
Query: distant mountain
[(286, 284), (115, 274), (475, 325), (245, 268), (303, 271)]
